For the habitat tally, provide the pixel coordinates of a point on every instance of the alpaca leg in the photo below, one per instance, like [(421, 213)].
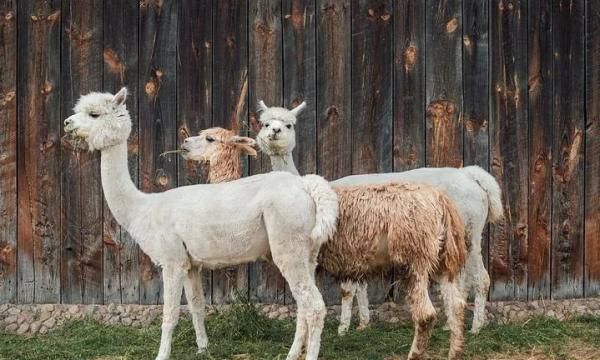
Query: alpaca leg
[(362, 298), (195, 298), (454, 306), (482, 282), (173, 284), (423, 314), (348, 291)]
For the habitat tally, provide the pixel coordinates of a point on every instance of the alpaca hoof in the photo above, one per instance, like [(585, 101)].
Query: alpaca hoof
[(342, 330), (475, 330)]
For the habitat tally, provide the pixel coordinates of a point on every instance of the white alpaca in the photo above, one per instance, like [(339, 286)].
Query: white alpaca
[(412, 226), (209, 226), (475, 193)]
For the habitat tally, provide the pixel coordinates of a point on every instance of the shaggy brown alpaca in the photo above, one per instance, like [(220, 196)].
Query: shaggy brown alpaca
[(410, 226)]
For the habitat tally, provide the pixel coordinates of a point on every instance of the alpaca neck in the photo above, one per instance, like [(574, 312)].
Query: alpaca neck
[(284, 163), (122, 196), (225, 167)]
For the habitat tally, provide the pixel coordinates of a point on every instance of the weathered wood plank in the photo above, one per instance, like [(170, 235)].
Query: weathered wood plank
[(81, 69), (509, 149), (265, 83), (409, 84), (158, 113), (230, 110), (540, 149), (444, 130), (592, 151), (372, 99), (38, 167), (8, 151), (121, 45), (333, 104), (194, 88), (568, 146)]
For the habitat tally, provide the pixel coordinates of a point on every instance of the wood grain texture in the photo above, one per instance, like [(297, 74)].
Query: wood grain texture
[(372, 75), (230, 110), (120, 55), (444, 92), (265, 83), (194, 89), (334, 137), (508, 148), (592, 151), (540, 149), (158, 112), (38, 167), (476, 87), (409, 84), (8, 151), (568, 148), (81, 68)]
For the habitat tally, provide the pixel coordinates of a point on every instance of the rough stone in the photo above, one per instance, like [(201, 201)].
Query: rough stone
[(23, 328)]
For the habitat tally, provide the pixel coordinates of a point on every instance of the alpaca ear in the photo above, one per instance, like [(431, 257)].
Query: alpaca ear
[(298, 108), (245, 144), (262, 107), (120, 97)]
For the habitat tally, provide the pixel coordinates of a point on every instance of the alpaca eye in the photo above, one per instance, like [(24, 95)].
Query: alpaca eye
[(209, 139), (94, 115), (289, 126), (266, 125)]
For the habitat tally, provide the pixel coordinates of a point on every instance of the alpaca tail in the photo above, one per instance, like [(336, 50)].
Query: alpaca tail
[(326, 202), (455, 248), (489, 184)]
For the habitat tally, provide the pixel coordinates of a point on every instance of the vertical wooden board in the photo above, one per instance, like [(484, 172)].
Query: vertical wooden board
[(38, 166), (409, 84), (194, 89), (230, 109), (592, 151), (372, 28), (568, 146), (120, 53), (8, 151), (476, 89), (540, 148), (300, 68), (371, 86), (508, 148), (158, 112), (81, 72), (333, 101), (265, 83), (444, 95)]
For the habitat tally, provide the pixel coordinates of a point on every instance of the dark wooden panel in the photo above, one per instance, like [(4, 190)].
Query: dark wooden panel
[(592, 151), (540, 148), (194, 88), (372, 75), (8, 151), (158, 112), (121, 46), (333, 104), (230, 109), (81, 69), (509, 149), (266, 79), (444, 113), (409, 84), (476, 88), (371, 86), (38, 167), (568, 146)]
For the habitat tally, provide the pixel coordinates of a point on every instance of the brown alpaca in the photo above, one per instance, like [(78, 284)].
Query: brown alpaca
[(410, 226)]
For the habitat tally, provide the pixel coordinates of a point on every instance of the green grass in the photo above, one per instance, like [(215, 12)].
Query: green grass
[(244, 334)]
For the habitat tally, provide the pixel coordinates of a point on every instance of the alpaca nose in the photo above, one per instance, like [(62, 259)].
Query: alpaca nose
[(68, 122), (276, 130)]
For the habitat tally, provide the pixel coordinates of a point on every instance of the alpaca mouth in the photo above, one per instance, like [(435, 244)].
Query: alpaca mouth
[(71, 141)]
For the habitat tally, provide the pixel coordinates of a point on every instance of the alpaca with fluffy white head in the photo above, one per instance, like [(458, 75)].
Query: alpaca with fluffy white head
[(413, 226), (473, 191), (210, 226)]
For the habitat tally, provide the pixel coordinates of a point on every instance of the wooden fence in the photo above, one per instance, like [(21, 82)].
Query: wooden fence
[(510, 85)]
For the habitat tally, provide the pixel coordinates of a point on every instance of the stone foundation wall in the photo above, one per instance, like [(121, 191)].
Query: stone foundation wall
[(39, 319)]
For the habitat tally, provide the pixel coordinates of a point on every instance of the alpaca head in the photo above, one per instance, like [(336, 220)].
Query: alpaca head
[(101, 120), (277, 135), (215, 142)]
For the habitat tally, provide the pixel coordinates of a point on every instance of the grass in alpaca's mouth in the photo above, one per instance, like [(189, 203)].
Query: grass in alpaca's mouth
[(178, 151), (74, 142)]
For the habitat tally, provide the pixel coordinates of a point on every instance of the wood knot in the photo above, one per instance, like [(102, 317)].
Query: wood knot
[(47, 89), (9, 16), (330, 9), (162, 180), (452, 25), (440, 109), (150, 88), (409, 57), (467, 41), (332, 112), (230, 42), (54, 16), (9, 96), (207, 45), (296, 18), (264, 30), (115, 66)]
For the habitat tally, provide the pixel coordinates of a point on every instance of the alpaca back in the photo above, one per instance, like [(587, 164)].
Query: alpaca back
[(393, 224)]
